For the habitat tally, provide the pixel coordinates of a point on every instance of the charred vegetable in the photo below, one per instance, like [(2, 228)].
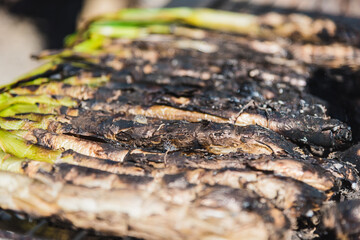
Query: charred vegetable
[(184, 124)]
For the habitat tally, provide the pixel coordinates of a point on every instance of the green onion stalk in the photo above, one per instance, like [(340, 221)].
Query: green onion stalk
[(7, 99), (18, 147), (11, 163), (14, 151), (136, 23), (16, 109)]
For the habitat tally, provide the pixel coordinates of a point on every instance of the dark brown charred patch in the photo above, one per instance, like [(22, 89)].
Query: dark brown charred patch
[(90, 138), (176, 181), (73, 174), (32, 88), (343, 219), (296, 197), (234, 199), (352, 155), (344, 171)]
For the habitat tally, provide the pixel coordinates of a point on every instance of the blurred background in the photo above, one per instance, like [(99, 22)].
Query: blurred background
[(29, 26)]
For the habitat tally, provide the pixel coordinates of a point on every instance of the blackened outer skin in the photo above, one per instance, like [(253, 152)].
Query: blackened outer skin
[(344, 219), (174, 135), (329, 133), (352, 155)]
